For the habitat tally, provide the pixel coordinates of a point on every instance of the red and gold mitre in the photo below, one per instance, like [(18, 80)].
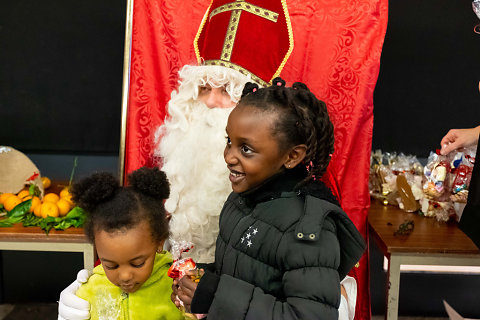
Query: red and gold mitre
[(251, 36)]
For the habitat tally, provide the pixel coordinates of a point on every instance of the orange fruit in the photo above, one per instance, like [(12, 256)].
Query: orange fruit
[(63, 206), (22, 194), (4, 196), (65, 193), (37, 211), (35, 202), (49, 209), (46, 182), (11, 202), (68, 198), (51, 197)]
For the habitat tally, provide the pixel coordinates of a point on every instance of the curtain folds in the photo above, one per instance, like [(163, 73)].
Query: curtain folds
[(336, 53)]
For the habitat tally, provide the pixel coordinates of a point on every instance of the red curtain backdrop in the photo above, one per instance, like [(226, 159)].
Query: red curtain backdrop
[(336, 53)]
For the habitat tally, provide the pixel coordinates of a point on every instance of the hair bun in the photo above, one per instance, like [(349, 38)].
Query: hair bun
[(300, 85), (278, 82), (150, 181), (95, 189), (249, 87)]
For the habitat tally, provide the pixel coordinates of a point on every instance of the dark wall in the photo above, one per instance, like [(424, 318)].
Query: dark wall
[(60, 93), (428, 84), (429, 74), (60, 96), (61, 75)]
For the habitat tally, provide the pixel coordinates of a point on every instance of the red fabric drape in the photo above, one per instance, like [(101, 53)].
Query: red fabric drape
[(336, 53)]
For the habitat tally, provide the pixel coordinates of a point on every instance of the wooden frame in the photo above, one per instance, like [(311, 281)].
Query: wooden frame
[(125, 87)]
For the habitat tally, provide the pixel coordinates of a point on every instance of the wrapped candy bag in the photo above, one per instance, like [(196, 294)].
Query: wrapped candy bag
[(375, 177), (462, 166), (384, 183), (441, 210), (180, 266), (408, 171), (407, 201), (435, 185)]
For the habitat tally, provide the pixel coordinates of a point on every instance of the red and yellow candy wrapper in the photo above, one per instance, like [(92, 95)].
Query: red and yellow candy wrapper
[(180, 267)]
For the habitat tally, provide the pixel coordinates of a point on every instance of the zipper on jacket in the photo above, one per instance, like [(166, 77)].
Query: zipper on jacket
[(124, 304)]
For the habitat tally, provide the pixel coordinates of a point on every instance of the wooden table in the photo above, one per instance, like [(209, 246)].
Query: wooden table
[(20, 238), (430, 243), (23, 238)]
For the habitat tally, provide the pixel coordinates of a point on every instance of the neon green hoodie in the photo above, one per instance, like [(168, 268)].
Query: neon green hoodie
[(151, 301)]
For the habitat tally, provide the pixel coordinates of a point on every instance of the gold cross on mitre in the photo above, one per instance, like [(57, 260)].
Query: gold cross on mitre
[(252, 37), (237, 7)]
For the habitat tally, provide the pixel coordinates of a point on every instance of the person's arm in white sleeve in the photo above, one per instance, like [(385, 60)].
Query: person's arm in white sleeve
[(346, 310), (71, 307)]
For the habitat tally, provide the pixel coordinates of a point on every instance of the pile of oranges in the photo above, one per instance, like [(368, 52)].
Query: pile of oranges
[(52, 204)]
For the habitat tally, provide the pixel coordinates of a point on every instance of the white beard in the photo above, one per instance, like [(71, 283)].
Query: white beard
[(192, 147)]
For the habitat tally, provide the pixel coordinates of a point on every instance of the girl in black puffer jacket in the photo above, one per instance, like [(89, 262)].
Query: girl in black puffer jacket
[(284, 242)]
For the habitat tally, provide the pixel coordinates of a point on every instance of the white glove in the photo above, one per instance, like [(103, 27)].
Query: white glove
[(71, 307), (346, 310)]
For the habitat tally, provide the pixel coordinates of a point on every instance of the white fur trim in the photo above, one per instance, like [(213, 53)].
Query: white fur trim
[(191, 144)]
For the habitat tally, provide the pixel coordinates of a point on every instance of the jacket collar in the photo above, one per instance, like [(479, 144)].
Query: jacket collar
[(288, 181)]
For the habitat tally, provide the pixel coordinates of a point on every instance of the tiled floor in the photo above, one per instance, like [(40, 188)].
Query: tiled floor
[(47, 311), (409, 318), (38, 311)]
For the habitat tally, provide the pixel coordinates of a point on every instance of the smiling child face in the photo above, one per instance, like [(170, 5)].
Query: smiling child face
[(127, 255), (252, 153)]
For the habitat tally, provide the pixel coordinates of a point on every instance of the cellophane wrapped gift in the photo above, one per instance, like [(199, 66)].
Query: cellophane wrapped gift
[(440, 188), (180, 265), (384, 171), (437, 187), (461, 174), (436, 177)]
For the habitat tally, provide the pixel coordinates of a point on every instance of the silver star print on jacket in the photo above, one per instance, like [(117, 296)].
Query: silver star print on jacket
[(248, 236)]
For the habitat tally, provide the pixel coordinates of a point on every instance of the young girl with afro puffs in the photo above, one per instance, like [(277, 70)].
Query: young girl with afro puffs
[(284, 242), (128, 227)]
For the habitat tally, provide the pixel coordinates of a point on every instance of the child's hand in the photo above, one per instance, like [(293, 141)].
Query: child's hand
[(174, 294), (187, 287)]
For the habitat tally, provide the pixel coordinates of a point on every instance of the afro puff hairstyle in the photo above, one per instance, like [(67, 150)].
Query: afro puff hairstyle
[(111, 207)]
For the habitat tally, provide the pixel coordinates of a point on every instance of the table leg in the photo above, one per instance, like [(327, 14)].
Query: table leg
[(88, 257), (393, 287)]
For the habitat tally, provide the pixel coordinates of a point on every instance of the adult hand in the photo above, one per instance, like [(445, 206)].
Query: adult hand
[(187, 287), (71, 307), (459, 138)]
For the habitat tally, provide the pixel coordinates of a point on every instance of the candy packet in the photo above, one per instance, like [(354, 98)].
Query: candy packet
[(180, 265), (462, 167), (436, 173), (441, 210)]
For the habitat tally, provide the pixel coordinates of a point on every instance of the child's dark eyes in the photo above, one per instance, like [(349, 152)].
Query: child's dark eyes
[(113, 267), (229, 142), (110, 267), (246, 149), (137, 265)]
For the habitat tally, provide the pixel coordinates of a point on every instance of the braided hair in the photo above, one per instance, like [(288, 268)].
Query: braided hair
[(302, 119), (111, 207)]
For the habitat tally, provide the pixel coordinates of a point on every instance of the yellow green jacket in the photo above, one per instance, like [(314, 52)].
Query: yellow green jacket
[(151, 301)]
